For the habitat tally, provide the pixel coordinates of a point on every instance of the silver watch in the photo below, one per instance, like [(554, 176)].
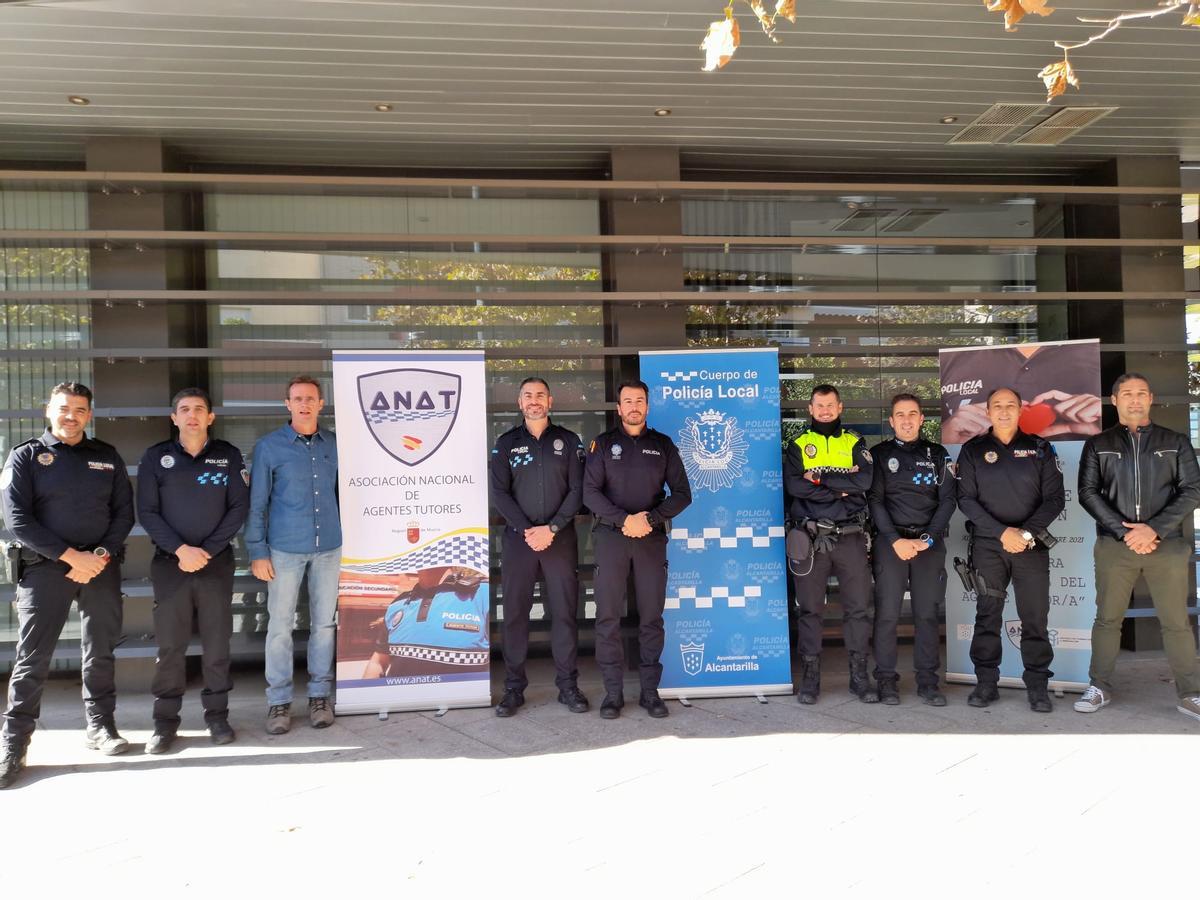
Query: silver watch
[(1027, 536)]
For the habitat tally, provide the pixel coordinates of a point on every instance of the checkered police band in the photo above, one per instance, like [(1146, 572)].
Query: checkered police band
[(440, 655), (468, 550)]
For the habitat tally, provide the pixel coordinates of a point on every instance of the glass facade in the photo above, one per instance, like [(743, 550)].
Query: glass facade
[(859, 290)]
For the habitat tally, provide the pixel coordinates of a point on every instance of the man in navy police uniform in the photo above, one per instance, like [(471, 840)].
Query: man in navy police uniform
[(536, 479), (623, 485), (68, 503), (1011, 490), (193, 494)]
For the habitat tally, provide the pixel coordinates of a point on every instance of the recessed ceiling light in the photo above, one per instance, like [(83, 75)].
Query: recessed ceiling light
[(383, 107), (78, 101), (949, 120), (662, 111)]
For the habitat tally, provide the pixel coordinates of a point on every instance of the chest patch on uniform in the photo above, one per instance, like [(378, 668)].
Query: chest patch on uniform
[(216, 462), (167, 462), (650, 452), (991, 456), (218, 479), (810, 450), (45, 458), (616, 451), (558, 444), (1024, 454), (100, 466), (893, 465)]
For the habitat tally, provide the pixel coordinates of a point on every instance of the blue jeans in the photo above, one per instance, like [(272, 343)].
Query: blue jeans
[(283, 593)]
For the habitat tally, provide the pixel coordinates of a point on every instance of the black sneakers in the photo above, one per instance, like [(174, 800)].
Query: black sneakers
[(574, 700), (12, 761), (983, 695), (103, 737), (508, 706), (653, 704)]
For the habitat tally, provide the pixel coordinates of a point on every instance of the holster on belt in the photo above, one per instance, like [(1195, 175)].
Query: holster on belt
[(16, 558), (973, 581)]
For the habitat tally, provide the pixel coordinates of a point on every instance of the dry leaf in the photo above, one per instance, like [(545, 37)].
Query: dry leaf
[(787, 9), (721, 41), (1015, 10), (1192, 17), (1056, 77)]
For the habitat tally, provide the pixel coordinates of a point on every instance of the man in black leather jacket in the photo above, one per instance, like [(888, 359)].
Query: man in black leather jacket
[(1140, 482)]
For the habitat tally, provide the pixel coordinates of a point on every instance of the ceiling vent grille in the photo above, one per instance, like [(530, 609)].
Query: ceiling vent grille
[(996, 122), (1065, 123)]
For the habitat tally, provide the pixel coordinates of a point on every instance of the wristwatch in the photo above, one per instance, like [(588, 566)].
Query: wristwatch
[(927, 539), (1027, 537), (102, 553), (553, 528)]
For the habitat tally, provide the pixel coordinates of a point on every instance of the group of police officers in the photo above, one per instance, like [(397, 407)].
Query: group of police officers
[(67, 501)]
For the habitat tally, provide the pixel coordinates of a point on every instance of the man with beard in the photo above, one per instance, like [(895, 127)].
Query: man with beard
[(627, 468)]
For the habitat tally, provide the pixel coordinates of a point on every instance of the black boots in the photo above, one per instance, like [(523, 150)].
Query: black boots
[(810, 679), (860, 682), (889, 690)]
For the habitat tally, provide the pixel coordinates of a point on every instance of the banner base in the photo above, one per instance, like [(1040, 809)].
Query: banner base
[(366, 707), (1074, 687), (749, 690)]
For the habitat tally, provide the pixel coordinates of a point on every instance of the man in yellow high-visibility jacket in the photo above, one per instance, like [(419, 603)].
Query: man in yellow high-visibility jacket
[(827, 472)]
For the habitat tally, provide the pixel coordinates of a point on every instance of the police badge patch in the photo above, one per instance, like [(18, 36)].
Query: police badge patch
[(893, 465), (246, 477), (616, 451), (167, 462), (558, 444), (45, 458), (810, 450), (991, 456)]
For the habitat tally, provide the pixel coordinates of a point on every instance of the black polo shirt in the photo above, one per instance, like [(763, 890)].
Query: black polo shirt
[(59, 496), (199, 500), (537, 481), (626, 474), (913, 486), (1014, 485)]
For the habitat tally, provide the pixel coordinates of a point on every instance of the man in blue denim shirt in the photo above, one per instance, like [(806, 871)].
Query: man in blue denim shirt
[(294, 528)]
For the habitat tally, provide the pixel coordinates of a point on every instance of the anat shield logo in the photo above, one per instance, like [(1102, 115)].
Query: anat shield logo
[(410, 412)]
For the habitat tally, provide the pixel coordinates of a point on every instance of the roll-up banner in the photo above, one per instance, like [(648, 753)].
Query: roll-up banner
[(1059, 385), (726, 614), (412, 480)]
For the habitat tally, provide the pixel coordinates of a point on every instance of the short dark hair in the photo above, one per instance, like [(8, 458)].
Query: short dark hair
[(534, 379), (301, 379), (994, 391), (905, 397), (824, 389), (198, 393), (74, 389), (633, 383), (1129, 376)]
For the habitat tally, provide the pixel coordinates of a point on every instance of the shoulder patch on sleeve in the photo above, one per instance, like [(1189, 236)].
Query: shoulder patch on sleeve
[(592, 448), (867, 455), (6, 478)]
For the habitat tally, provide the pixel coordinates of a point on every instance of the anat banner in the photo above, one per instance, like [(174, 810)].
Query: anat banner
[(413, 592)]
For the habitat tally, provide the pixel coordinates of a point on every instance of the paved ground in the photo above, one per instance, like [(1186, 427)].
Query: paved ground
[(728, 798)]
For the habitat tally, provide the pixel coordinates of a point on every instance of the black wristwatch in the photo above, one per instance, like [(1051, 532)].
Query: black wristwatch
[(553, 528)]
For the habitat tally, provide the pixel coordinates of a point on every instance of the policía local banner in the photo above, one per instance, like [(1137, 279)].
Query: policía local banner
[(726, 609), (413, 592), (1059, 385)]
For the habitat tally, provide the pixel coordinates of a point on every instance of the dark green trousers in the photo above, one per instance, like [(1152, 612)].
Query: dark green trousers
[(1166, 571)]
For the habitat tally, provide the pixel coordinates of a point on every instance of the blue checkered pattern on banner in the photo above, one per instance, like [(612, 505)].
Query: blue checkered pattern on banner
[(469, 550), (680, 376), (720, 595), (728, 538), (377, 416)]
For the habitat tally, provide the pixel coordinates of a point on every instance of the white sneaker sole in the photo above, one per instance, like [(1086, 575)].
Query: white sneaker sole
[(1090, 708), (1190, 713)]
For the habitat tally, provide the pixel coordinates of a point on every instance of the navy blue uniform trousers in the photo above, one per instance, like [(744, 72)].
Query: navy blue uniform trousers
[(616, 555)]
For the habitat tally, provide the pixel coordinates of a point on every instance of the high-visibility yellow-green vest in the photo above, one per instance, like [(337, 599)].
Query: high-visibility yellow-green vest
[(828, 454)]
